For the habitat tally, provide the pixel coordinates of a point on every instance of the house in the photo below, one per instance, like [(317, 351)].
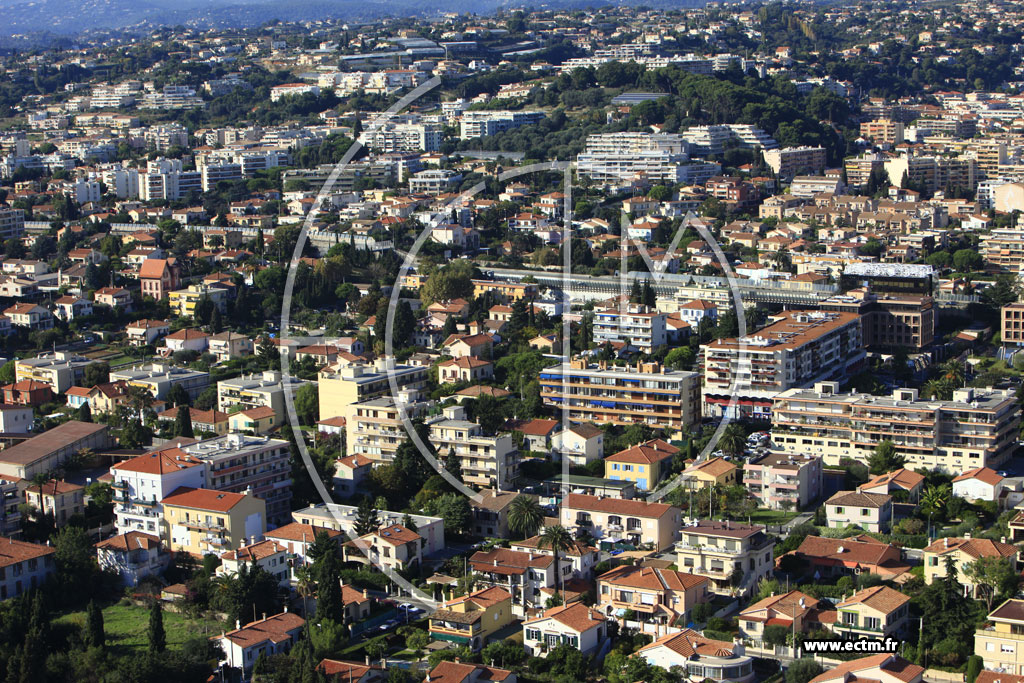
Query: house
[(349, 474), (784, 480), (187, 340), (71, 307), (269, 636), (203, 421), (998, 640), (580, 444), (963, 551), (795, 610), (642, 464), (475, 345), (29, 316), (132, 555), (253, 421), (831, 557), (471, 619), (228, 345), (732, 555), (490, 512), (59, 499), (658, 597), (576, 625), (118, 298), (880, 668), (322, 354), (27, 392), (547, 343), (523, 574), (458, 672), (202, 521), (297, 539), (893, 483), (343, 671), (636, 522), (144, 332), (981, 483), (581, 557), (158, 277), (710, 473), (24, 566), (868, 511), (701, 658), (393, 546), (464, 369), (267, 554), (536, 433), (876, 612)]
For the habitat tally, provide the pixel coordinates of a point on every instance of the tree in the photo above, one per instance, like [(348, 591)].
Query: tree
[(454, 509), (775, 634), (183, 422), (991, 576), (559, 540), (367, 520), (734, 439), (84, 413), (885, 458), (648, 296), (525, 515), (975, 664), (803, 670), (967, 260), (267, 353), (307, 404), (96, 373), (157, 636), (178, 395), (95, 636)]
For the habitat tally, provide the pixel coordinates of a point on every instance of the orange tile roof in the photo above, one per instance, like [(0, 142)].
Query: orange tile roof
[(342, 671), (153, 268), (689, 643), (275, 629), (881, 598), (457, 672), (254, 552), (129, 540), (576, 616), (975, 547), (203, 499), (300, 532), (983, 474), (159, 462), (616, 506), (652, 579), (893, 665), (13, 552)]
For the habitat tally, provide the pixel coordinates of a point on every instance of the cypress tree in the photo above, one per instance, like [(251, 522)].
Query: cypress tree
[(157, 635)]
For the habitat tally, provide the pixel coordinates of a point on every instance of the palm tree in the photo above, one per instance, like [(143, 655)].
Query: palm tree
[(934, 498), (525, 515), (558, 539), (953, 371), (733, 440), (305, 586)]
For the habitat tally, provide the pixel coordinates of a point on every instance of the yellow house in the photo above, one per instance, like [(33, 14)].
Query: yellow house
[(183, 301), (964, 551), (1000, 641), (201, 521), (469, 620), (60, 499), (642, 464), (253, 421), (875, 612), (711, 473)]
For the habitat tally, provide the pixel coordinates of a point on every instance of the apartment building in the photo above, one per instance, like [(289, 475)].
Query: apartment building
[(24, 566), (797, 349), (877, 612), (1000, 641), (374, 429), (523, 574), (343, 518), (1004, 248), (867, 511), (784, 481), (249, 464), (602, 393), (183, 302), (158, 378), (1012, 317), (203, 521), (60, 500), (729, 554), (60, 370), (140, 484), (471, 619), (889, 320), (977, 428), (787, 162), (12, 223), (882, 131), (405, 137), (934, 173), (658, 597), (615, 520), (341, 386), (654, 165), (475, 124), (434, 181), (485, 461), (265, 390), (859, 169), (638, 325)]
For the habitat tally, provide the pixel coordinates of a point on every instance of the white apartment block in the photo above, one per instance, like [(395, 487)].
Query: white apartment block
[(475, 124), (641, 326), (486, 461)]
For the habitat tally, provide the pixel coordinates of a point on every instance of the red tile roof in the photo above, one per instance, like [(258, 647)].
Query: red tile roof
[(203, 499)]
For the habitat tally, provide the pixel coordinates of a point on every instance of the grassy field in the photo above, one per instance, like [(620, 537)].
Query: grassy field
[(772, 517), (127, 628)]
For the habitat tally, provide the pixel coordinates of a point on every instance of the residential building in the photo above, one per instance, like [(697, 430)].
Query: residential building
[(465, 369), (979, 484), (850, 556), (742, 376), (580, 444), (1000, 641), (29, 316), (797, 611), (393, 546), (471, 619), (661, 598), (710, 473), (187, 339), (15, 419), (374, 429), (490, 512), (784, 480), (269, 555), (133, 556), (144, 332), (576, 625), (977, 428), (963, 551), (158, 277), (267, 636), (140, 485), (265, 390), (24, 566), (202, 521), (158, 378), (228, 345), (642, 464), (889, 320), (523, 574), (1012, 329), (867, 511), (340, 387), (730, 554), (883, 668), (458, 672), (28, 392), (787, 162), (475, 124), (612, 520), (882, 131), (342, 518), (647, 394), (485, 461), (701, 658), (59, 369), (60, 500), (183, 302), (635, 324), (876, 612), (901, 484)]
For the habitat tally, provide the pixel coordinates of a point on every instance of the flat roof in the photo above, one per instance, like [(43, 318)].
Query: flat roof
[(909, 270), (592, 481)]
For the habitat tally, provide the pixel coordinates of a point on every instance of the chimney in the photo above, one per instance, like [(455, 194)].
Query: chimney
[(1002, 539), (945, 542), (286, 609), (366, 593), (967, 535), (264, 616), (238, 624), (458, 660)]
